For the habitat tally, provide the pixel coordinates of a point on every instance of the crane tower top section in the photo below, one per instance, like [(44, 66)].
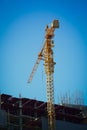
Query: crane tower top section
[(50, 31)]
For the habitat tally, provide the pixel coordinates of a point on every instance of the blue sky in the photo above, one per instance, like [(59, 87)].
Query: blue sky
[(22, 31)]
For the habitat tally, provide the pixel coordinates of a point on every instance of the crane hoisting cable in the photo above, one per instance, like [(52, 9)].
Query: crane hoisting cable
[(46, 54)]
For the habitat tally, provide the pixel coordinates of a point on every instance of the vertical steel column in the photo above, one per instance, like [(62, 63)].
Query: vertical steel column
[(20, 112)]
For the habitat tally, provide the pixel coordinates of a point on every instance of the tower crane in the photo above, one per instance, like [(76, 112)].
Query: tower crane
[(46, 54)]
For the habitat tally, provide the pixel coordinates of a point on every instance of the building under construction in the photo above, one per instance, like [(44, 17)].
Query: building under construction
[(30, 114)]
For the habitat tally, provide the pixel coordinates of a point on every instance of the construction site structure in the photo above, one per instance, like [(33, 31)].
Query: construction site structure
[(30, 114), (76, 98), (46, 54)]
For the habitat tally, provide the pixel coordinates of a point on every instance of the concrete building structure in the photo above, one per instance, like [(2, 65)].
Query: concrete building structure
[(30, 114)]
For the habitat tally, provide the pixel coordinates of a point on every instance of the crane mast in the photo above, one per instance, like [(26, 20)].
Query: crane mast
[(47, 55)]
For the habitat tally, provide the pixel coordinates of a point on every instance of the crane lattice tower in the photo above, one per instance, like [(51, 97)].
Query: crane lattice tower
[(46, 54)]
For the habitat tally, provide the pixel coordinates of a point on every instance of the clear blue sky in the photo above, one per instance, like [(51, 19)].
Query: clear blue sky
[(22, 31)]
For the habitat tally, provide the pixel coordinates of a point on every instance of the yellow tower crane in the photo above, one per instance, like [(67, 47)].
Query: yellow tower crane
[(46, 54)]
